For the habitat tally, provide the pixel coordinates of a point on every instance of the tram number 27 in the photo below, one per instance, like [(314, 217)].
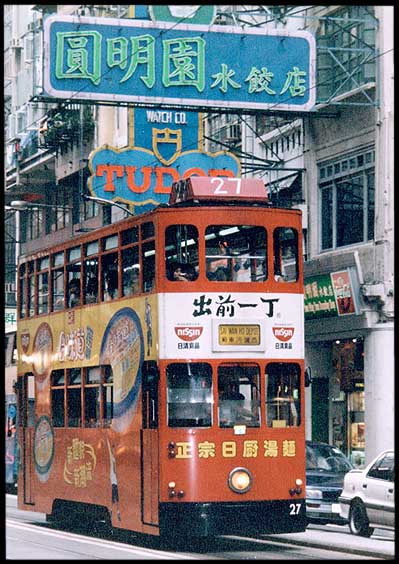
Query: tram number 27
[(224, 185), (295, 508)]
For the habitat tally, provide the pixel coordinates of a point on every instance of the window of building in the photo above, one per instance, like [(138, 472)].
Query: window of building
[(35, 224), (283, 406), (351, 32), (189, 394), (347, 201)]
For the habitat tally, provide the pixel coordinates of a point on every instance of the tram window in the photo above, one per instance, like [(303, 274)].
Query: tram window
[(92, 406), (285, 247), (189, 393), (181, 252), (148, 259), (57, 407), (236, 252), (110, 242), (43, 292), (283, 408), (108, 396), (150, 378), (130, 236), (73, 290), (57, 289), (22, 287), (90, 273), (73, 254), (31, 289), (110, 276), (43, 285), (147, 230), (91, 399), (239, 395), (130, 271), (74, 397), (57, 398)]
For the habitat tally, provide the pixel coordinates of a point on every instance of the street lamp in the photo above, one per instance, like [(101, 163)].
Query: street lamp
[(107, 203)]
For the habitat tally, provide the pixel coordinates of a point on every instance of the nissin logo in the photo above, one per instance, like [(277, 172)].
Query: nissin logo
[(188, 333), (283, 333)]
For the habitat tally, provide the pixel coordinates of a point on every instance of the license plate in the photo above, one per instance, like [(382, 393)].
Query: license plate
[(336, 508)]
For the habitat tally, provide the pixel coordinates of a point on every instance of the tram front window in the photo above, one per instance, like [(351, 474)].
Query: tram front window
[(189, 393), (239, 399), (282, 394), (236, 253)]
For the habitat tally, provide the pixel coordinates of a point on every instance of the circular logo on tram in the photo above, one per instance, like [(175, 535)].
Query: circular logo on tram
[(42, 352), (43, 447), (122, 347)]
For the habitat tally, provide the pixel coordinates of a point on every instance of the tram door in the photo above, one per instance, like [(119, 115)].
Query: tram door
[(26, 403), (149, 445)]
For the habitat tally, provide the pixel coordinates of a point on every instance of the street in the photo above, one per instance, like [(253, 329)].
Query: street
[(29, 537)]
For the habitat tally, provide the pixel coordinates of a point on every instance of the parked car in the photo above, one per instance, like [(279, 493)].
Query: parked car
[(367, 498), (326, 467)]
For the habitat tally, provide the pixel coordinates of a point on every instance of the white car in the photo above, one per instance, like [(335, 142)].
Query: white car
[(367, 499)]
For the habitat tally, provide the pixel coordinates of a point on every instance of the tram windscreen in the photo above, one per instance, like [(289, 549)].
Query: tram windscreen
[(238, 395)]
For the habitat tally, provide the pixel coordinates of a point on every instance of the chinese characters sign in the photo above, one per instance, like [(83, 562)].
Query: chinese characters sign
[(210, 324), (329, 295), (232, 449), (162, 64)]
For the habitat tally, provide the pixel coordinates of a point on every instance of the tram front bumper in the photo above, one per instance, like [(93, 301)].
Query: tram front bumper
[(222, 518)]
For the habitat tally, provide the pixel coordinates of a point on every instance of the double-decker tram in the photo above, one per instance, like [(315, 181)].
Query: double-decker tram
[(165, 352)]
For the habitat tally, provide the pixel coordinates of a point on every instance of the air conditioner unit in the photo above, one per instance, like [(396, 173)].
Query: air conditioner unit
[(373, 291), (16, 43)]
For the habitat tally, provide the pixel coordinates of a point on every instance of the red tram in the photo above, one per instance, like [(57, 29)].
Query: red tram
[(165, 356)]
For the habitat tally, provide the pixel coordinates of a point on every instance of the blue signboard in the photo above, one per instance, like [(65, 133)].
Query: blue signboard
[(163, 64), (136, 177)]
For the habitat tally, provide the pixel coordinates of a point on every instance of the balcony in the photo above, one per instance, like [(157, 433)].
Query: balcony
[(63, 128)]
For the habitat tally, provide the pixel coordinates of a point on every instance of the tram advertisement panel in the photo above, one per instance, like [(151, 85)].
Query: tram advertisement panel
[(206, 325)]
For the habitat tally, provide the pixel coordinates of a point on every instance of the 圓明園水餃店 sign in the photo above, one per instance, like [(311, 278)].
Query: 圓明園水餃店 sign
[(196, 66)]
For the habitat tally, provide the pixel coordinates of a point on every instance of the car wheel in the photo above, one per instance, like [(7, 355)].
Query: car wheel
[(358, 521)]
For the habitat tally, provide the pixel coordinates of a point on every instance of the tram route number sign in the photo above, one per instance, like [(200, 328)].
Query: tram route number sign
[(239, 335), (218, 188)]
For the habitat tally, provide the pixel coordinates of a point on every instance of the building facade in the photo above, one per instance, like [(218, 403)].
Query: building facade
[(335, 163)]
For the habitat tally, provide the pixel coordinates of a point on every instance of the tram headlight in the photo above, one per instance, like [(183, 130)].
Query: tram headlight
[(240, 480)]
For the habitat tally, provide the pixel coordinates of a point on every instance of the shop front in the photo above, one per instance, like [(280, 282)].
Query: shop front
[(335, 336)]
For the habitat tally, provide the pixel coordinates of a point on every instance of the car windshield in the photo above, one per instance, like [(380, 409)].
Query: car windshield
[(327, 458)]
